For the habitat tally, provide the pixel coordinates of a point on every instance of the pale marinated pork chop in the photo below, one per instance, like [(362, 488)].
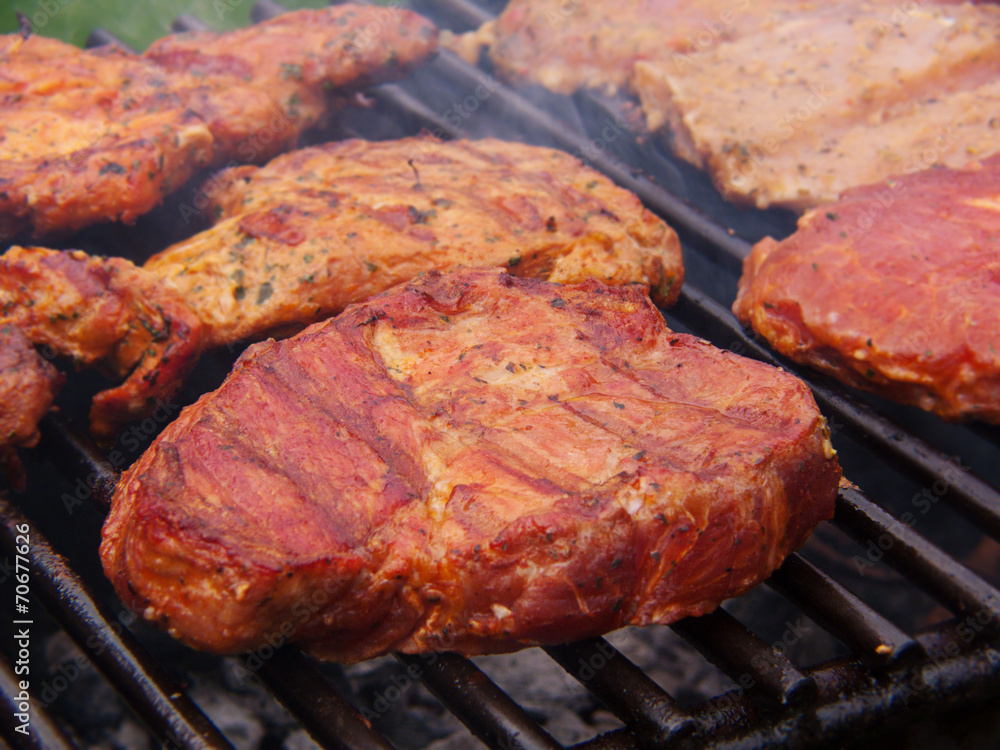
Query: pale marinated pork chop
[(785, 103), (895, 288), (473, 462), (565, 46), (794, 114)]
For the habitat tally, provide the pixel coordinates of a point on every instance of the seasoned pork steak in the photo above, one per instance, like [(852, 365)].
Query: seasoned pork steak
[(103, 313), (319, 228), (95, 135), (893, 289), (569, 45), (473, 462), (784, 102), (28, 386)]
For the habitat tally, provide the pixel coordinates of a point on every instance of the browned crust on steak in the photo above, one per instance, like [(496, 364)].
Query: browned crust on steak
[(473, 462), (104, 313), (315, 230), (95, 135)]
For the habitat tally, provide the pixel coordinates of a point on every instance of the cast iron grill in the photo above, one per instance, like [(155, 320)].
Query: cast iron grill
[(892, 674)]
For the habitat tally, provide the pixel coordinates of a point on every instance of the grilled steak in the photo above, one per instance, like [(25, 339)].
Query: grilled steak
[(473, 462), (87, 136), (317, 229), (565, 46), (892, 289), (798, 112), (28, 385), (104, 313)]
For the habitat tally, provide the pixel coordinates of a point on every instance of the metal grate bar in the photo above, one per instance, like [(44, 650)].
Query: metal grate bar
[(401, 100), (869, 635), (328, 717), (43, 733), (749, 661), (617, 739), (484, 708), (186, 22), (100, 37), (461, 13), (967, 493), (265, 9), (156, 699), (67, 447), (933, 570), (625, 690), (852, 703)]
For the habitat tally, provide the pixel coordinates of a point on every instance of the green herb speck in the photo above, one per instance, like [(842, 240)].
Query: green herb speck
[(291, 70), (264, 293)]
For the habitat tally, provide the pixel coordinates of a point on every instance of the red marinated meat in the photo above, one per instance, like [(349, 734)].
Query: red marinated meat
[(893, 289), (472, 462)]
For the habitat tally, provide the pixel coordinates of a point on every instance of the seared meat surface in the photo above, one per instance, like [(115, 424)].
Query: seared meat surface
[(28, 385), (315, 230), (318, 229), (87, 136), (104, 313), (893, 289), (472, 462)]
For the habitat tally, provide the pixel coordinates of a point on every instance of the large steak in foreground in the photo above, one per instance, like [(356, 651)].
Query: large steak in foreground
[(471, 462)]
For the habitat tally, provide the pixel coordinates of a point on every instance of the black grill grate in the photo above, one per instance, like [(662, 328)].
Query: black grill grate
[(891, 676)]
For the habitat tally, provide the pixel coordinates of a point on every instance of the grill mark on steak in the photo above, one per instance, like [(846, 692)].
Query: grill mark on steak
[(466, 534)]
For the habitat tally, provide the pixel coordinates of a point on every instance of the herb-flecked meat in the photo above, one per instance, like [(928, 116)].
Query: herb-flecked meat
[(471, 462), (784, 103), (315, 230), (95, 135), (320, 228)]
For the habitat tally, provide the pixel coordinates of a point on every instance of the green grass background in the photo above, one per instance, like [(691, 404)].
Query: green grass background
[(135, 22)]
